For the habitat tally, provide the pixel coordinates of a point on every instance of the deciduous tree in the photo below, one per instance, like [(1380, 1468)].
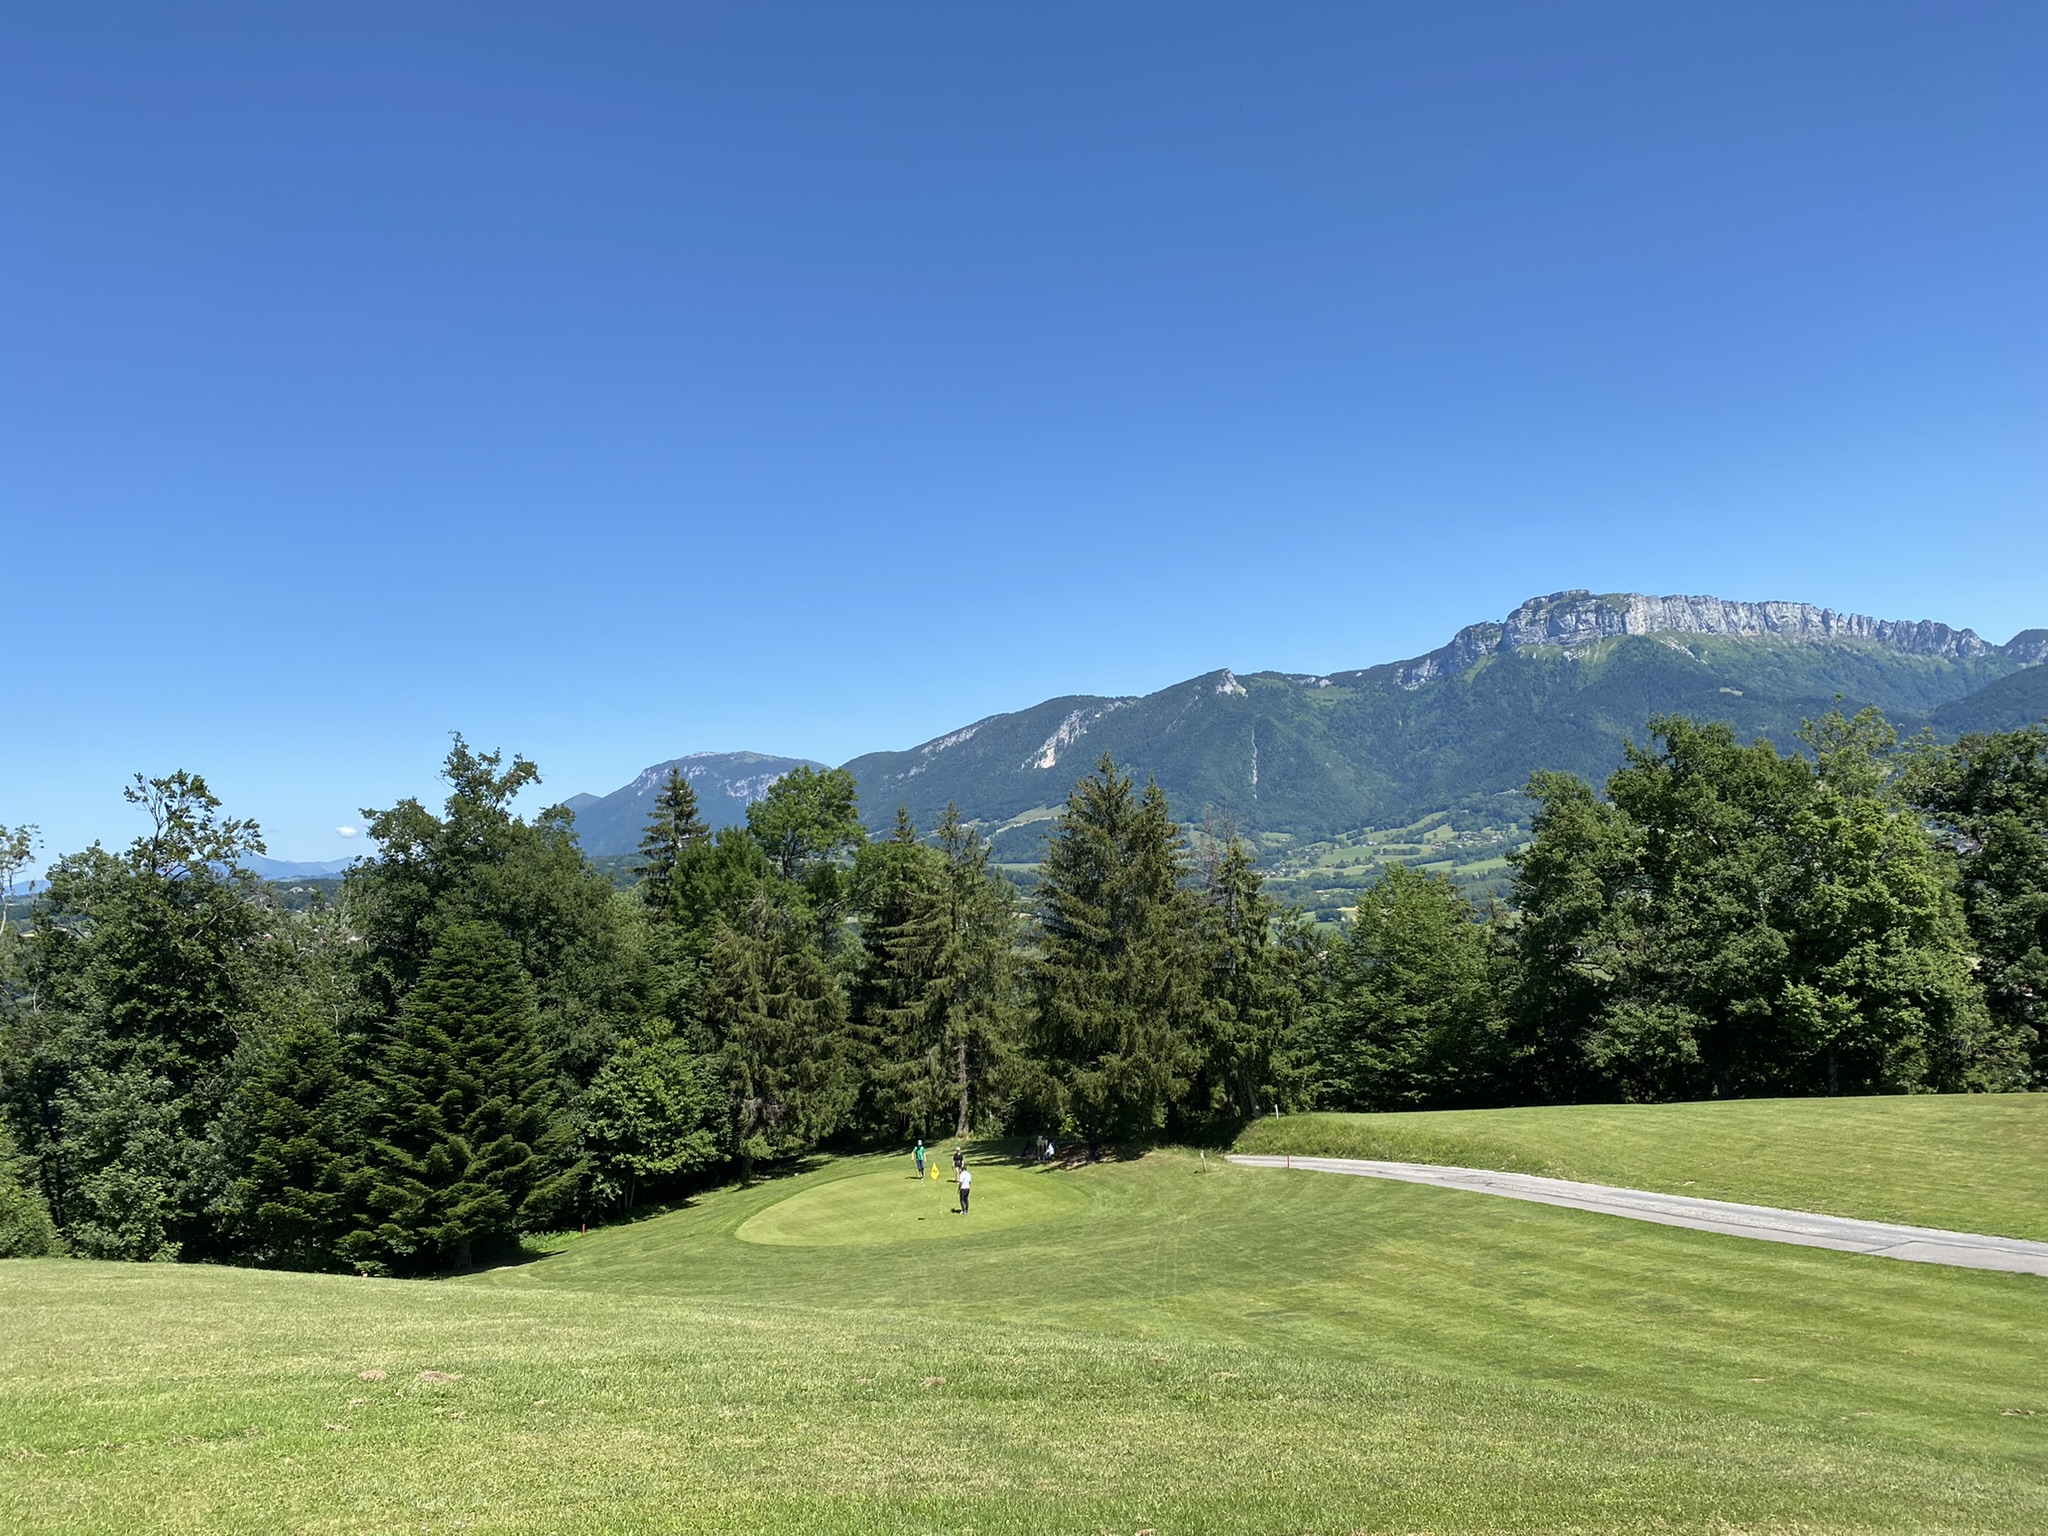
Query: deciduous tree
[(1989, 794), (1414, 1016)]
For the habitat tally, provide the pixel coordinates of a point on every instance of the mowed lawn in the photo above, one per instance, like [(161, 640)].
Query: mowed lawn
[(1164, 1344), (1970, 1162)]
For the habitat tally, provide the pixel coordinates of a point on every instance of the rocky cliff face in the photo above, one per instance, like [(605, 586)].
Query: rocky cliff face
[(1575, 618), (2029, 647)]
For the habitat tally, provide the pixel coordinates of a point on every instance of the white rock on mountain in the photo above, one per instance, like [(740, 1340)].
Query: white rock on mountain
[(1576, 617)]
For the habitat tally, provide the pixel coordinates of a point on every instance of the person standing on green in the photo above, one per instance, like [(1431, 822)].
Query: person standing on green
[(966, 1185), (919, 1155)]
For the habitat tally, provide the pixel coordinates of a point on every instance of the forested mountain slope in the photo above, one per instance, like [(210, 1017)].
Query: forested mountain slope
[(1422, 759), (726, 784), (1560, 683)]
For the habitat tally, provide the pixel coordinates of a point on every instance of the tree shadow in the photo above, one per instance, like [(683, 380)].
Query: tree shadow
[(535, 1246)]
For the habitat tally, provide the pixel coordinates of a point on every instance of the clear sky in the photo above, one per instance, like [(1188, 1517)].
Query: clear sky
[(615, 380)]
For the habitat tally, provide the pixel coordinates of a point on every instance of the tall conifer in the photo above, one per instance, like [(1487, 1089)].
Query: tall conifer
[(290, 1132), (673, 829), (943, 983), (1120, 1011), (466, 1097), (779, 1017), (1257, 959)]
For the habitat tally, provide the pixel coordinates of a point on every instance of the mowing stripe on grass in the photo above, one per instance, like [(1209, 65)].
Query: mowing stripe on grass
[(1921, 1245)]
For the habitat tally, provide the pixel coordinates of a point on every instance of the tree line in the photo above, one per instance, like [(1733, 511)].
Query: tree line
[(482, 1037)]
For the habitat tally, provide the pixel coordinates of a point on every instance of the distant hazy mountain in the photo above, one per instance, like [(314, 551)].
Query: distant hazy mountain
[(726, 784), (2001, 706), (1559, 683), (288, 869)]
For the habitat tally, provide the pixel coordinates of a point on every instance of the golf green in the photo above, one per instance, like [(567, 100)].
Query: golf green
[(895, 1206)]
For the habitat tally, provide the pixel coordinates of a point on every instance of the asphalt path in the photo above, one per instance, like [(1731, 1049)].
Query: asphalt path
[(1920, 1245)]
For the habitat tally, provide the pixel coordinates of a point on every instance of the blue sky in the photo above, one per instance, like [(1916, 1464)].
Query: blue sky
[(613, 381)]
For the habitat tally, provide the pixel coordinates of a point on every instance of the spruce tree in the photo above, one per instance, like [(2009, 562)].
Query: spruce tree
[(777, 1012), (942, 980), (466, 1099), (674, 829), (895, 1075), (1121, 1020), (1257, 962), (290, 1134)]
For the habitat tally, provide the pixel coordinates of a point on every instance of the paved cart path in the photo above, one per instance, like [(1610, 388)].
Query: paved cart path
[(1923, 1245)]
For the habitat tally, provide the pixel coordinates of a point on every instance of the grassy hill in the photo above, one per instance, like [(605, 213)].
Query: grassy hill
[(1974, 1163), (1164, 1344)]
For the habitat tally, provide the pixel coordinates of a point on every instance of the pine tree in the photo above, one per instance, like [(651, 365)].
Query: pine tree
[(290, 1133), (942, 980), (466, 1099), (777, 1012), (674, 829), (1121, 1019), (1256, 962)]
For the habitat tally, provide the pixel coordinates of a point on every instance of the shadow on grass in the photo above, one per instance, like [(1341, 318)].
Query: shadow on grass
[(534, 1246)]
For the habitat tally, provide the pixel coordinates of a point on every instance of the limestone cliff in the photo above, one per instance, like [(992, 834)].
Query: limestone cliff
[(1577, 617)]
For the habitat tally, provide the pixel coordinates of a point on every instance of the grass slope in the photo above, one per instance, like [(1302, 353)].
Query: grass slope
[(1165, 1345), (1969, 1162)]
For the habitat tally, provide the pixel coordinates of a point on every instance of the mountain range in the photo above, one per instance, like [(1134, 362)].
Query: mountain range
[(726, 784), (1332, 773), (294, 869)]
